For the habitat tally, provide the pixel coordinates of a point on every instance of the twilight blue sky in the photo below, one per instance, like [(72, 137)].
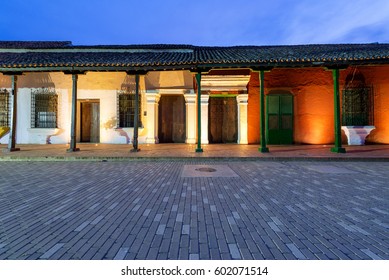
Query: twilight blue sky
[(196, 22)]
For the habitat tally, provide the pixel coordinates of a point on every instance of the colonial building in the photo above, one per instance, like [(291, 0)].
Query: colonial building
[(55, 92)]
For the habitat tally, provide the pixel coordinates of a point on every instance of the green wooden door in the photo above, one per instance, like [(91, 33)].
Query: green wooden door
[(279, 123)]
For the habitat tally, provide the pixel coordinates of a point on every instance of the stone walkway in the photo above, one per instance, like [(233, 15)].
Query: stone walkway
[(191, 209), (118, 152)]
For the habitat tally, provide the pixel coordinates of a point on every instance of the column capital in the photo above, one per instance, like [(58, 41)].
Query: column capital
[(190, 98), (204, 98), (242, 98), (152, 97)]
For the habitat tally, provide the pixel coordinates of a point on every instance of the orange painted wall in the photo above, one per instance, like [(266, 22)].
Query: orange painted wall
[(378, 76), (312, 89)]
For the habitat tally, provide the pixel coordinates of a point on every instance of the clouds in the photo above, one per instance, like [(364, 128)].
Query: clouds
[(201, 22), (338, 22)]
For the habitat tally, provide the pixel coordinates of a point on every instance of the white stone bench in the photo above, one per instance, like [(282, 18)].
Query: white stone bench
[(356, 135)]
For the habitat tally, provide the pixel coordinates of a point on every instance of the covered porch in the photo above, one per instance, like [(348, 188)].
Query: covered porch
[(121, 152)]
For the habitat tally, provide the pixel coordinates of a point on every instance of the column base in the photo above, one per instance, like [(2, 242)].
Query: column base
[(135, 150), (190, 141), (152, 140), (338, 150), (73, 150), (199, 150), (263, 149), (11, 150)]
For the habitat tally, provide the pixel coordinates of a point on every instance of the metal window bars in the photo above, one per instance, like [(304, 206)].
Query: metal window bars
[(4, 108), (44, 108), (126, 108), (358, 106)]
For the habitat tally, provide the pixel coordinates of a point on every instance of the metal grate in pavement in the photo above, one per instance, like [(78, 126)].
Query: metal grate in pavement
[(207, 171)]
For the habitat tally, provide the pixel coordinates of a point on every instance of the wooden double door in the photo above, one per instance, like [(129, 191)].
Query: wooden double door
[(171, 119), (222, 120), (279, 119)]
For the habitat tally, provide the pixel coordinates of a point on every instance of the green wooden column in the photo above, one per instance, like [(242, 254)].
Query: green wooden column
[(136, 116), (73, 127), (14, 106), (338, 136), (198, 80), (263, 148)]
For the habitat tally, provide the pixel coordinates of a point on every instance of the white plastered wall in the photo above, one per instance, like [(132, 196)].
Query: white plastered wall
[(104, 87)]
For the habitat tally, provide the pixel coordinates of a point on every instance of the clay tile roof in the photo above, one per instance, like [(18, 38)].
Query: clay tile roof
[(33, 44), (331, 52), (33, 56)]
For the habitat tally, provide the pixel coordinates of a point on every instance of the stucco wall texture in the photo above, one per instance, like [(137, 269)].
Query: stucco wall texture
[(312, 90), (313, 94)]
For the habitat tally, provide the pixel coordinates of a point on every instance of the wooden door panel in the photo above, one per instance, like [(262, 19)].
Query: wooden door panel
[(95, 123), (85, 121), (222, 123), (90, 122), (171, 119), (279, 119)]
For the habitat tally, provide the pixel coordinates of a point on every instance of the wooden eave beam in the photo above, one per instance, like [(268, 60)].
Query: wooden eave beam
[(196, 68), (76, 72), (136, 72), (12, 73)]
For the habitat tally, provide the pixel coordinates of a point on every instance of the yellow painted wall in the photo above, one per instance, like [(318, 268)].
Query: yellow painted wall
[(3, 131)]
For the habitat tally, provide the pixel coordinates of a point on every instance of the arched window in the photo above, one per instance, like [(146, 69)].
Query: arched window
[(357, 101), (4, 108)]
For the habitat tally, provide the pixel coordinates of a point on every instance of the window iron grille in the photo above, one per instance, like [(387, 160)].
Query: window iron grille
[(4, 108), (358, 106), (126, 108), (44, 108)]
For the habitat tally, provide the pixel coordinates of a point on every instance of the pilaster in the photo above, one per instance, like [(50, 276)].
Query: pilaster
[(242, 102), (204, 118), (152, 99), (190, 106)]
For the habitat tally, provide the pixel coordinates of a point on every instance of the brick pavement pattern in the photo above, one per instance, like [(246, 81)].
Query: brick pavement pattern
[(149, 210)]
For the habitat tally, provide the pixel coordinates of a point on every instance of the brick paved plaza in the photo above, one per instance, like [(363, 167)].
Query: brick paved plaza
[(179, 210)]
